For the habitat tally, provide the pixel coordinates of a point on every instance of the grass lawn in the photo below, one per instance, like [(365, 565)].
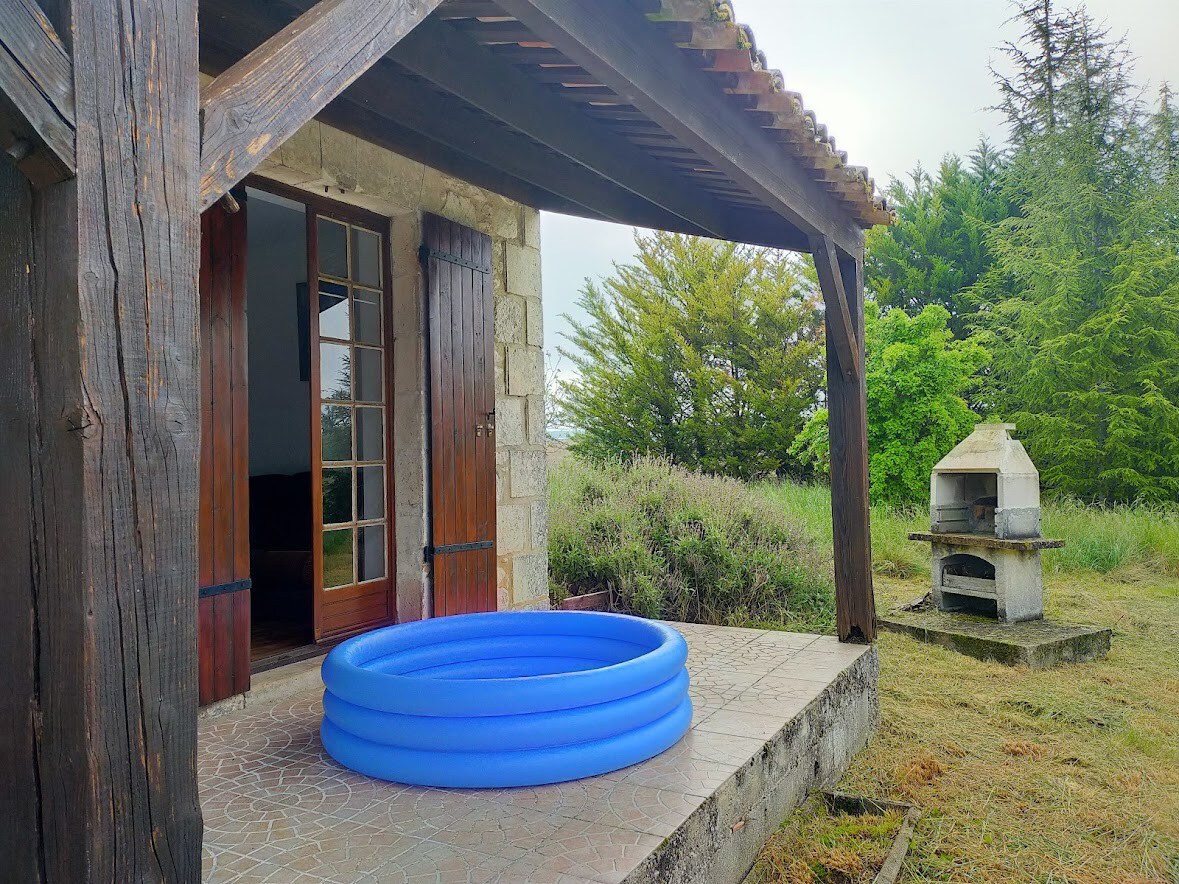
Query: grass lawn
[(1070, 774)]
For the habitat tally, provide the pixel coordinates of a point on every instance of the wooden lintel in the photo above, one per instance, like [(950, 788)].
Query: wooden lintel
[(840, 329), (36, 94), (254, 106), (451, 60), (613, 41)]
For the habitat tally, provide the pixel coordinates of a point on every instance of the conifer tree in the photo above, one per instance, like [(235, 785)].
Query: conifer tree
[(706, 352), (1081, 309), (937, 248)]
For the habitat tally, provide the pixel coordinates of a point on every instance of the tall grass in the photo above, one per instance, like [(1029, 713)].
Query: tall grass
[(671, 543)]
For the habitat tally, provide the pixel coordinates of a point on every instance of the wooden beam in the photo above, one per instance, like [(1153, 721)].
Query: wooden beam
[(100, 467), (612, 41), (252, 108), (36, 94), (454, 62), (840, 329), (847, 416), (387, 101)]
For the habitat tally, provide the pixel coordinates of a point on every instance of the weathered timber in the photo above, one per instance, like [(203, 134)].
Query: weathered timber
[(253, 107), (454, 62), (36, 94), (612, 41), (102, 640), (855, 610), (840, 330)]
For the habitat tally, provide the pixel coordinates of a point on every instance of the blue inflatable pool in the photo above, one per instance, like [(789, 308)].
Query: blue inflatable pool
[(505, 699)]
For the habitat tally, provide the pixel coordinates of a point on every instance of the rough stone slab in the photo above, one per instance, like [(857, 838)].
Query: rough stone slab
[(1037, 644)]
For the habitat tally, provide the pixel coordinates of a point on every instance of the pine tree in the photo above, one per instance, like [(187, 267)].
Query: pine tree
[(1081, 309), (1029, 95), (937, 249)]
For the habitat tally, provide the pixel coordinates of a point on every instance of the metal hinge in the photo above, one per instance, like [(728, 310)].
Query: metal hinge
[(432, 551)]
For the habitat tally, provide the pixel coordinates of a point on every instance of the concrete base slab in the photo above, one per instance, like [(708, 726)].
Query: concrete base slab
[(776, 715), (1037, 644)]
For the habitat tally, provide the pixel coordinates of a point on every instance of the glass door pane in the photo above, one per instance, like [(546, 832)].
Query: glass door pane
[(353, 402)]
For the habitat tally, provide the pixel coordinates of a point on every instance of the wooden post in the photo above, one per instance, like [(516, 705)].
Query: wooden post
[(855, 609), (99, 439)]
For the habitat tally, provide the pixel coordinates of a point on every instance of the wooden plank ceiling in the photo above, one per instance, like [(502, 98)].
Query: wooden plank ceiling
[(477, 94)]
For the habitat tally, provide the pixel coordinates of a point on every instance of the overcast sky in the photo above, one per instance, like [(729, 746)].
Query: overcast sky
[(896, 81)]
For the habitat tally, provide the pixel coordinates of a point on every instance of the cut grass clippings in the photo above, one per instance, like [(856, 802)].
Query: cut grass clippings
[(1062, 775)]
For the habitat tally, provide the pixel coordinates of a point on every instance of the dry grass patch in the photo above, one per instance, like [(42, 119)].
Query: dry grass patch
[(1064, 775), (820, 846)]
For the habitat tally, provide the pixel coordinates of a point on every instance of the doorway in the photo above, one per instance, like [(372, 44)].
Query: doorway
[(319, 364), (296, 515)]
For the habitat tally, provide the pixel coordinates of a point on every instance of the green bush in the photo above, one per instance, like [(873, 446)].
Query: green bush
[(679, 545)]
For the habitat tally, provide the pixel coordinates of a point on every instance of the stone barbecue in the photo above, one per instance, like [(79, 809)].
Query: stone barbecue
[(985, 528)]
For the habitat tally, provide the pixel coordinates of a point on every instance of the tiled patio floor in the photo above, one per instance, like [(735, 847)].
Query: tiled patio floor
[(277, 809)]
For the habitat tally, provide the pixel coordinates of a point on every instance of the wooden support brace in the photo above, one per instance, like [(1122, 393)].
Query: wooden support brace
[(36, 94), (840, 330), (254, 106)]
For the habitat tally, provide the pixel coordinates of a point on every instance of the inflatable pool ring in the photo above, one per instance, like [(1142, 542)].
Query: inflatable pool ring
[(505, 699)]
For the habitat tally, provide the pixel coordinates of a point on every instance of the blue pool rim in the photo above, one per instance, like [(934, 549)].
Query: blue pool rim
[(505, 699)]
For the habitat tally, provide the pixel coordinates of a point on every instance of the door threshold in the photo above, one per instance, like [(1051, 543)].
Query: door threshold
[(293, 655)]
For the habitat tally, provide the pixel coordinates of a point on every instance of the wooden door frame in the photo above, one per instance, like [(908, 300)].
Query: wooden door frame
[(315, 205)]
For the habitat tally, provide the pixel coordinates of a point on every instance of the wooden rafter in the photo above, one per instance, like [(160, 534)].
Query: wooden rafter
[(254, 106), (453, 61), (36, 94), (840, 329), (612, 41)]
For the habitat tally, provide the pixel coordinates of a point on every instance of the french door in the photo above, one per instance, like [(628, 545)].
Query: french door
[(351, 442)]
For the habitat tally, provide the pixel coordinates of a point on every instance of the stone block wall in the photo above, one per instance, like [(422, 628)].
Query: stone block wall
[(331, 163)]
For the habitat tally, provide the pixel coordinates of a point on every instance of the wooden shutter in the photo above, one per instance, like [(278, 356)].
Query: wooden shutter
[(224, 531), (462, 417)]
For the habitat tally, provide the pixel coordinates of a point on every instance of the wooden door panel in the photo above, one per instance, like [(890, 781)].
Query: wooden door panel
[(462, 417), (224, 544)]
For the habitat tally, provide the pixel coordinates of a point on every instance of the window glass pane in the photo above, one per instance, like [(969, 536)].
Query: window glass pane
[(337, 495), (333, 247), (333, 310), (370, 493), (370, 434), (337, 558), (370, 553), (366, 257), (336, 428), (335, 371), (368, 316), (369, 384)]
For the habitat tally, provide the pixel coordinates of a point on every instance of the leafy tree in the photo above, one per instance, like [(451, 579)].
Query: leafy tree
[(708, 353), (916, 375), (938, 249)]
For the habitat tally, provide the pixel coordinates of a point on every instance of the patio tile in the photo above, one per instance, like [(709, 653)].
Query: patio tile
[(230, 867), (429, 862), (304, 842), (279, 810), (580, 851), (741, 724)]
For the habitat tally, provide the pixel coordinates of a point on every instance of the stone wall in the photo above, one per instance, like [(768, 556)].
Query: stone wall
[(330, 163)]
